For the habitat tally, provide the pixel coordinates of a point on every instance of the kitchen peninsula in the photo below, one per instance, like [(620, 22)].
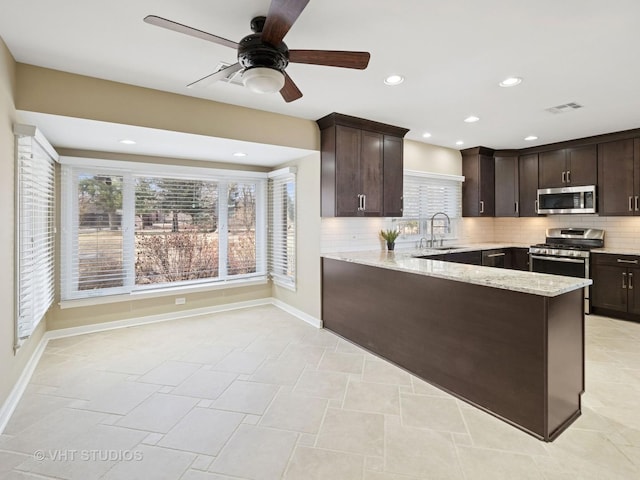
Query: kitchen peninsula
[(506, 341)]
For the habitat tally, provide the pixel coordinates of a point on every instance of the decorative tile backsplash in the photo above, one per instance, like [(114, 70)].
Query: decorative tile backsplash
[(351, 234)]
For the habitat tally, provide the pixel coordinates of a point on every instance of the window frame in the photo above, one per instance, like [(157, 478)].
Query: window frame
[(71, 167), (277, 216)]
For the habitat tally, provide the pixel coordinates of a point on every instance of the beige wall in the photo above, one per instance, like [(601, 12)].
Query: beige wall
[(431, 158), (11, 365), (60, 93), (307, 294)]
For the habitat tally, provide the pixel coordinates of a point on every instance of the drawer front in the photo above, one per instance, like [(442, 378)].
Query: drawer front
[(615, 260)]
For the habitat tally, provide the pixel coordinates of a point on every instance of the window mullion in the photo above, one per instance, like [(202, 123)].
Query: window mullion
[(128, 230), (223, 228)]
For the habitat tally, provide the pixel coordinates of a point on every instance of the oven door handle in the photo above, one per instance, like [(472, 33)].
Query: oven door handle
[(557, 259)]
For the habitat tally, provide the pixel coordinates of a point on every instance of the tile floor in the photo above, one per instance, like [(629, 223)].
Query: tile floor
[(258, 394)]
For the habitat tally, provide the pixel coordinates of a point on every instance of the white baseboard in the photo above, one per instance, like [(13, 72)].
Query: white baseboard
[(9, 406)]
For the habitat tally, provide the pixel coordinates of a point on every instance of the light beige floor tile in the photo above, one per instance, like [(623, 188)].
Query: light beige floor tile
[(240, 362), (310, 463), (90, 384), (374, 475), (9, 460), (342, 362), (295, 412), (302, 354), (279, 372), (32, 408), (489, 432), (246, 397), (268, 346), (268, 450), (322, 384), (202, 431), (202, 462), (320, 338), (170, 373), (420, 453), (372, 397), (206, 384), (379, 371), (159, 413), (156, 463), (479, 464), (436, 413), (420, 387), (121, 398), (199, 475), (209, 354), (348, 347), (353, 432), (88, 455)]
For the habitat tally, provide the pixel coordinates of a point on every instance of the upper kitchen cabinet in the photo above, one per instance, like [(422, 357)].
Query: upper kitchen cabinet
[(506, 184), (478, 189), (619, 177), (528, 185), (568, 167), (361, 167)]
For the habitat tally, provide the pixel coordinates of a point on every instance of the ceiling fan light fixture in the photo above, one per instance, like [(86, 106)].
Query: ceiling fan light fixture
[(263, 80)]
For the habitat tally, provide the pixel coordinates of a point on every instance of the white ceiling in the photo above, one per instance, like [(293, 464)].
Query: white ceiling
[(453, 54)]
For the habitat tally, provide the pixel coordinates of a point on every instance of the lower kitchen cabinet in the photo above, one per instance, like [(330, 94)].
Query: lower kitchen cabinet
[(498, 258), (469, 258), (615, 290), (520, 259)]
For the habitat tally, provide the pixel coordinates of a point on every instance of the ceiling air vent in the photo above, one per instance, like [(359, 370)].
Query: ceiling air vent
[(567, 107), (234, 77)]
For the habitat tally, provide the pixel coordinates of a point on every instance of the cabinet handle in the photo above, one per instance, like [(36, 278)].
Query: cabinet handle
[(568, 176), (535, 206), (631, 204), (630, 281), (496, 255), (364, 202), (624, 280), (633, 262), (359, 202), (481, 206), (517, 208), (564, 177), (636, 203), (402, 204)]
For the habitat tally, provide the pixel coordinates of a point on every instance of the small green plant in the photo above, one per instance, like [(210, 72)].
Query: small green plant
[(389, 235)]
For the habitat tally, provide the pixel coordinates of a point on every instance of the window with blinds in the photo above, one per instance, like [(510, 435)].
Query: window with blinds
[(126, 230), (426, 194), (282, 227), (35, 229)]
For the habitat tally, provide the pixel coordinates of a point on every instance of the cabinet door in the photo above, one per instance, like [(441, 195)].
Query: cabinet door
[(487, 186), (347, 171), (471, 186), (633, 290), (393, 170), (520, 259), (607, 290), (469, 258), (582, 165), (506, 186), (615, 178), (528, 184), (552, 169), (371, 170)]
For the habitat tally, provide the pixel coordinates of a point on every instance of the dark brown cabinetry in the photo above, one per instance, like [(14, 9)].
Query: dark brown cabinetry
[(506, 185), (619, 177), (520, 259), (498, 258), (616, 285), (528, 185), (361, 167), (568, 167), (478, 189)]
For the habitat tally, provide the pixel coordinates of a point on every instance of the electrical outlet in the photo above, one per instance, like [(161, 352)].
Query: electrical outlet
[(181, 301)]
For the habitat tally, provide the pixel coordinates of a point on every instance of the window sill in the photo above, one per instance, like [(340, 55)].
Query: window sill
[(160, 292)]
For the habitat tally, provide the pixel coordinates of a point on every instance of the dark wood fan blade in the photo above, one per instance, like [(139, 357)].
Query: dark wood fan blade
[(214, 77), (281, 16), (178, 27), (290, 91), (332, 58)]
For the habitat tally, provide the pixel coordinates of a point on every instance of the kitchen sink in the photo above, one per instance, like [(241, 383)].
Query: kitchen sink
[(445, 247)]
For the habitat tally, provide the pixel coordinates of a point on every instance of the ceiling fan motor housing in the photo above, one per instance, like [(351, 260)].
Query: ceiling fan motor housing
[(253, 52)]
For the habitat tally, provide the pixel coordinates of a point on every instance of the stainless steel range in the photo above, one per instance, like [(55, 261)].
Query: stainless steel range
[(566, 252)]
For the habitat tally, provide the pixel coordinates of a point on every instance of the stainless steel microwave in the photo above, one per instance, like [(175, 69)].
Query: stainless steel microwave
[(567, 199)]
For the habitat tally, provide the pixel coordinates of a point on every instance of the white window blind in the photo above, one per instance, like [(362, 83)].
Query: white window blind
[(130, 229), (282, 227), (35, 232), (426, 194)]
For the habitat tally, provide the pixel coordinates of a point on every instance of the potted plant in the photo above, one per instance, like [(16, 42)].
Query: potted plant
[(390, 237)]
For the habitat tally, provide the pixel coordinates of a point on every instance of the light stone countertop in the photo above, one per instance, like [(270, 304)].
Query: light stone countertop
[(518, 281)]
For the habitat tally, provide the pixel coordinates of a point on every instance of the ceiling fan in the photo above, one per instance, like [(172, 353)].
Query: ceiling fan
[(263, 56)]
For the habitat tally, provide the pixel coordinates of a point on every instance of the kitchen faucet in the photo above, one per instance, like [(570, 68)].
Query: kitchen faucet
[(448, 228)]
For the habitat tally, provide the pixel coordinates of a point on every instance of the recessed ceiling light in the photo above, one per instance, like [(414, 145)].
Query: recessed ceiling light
[(126, 141), (426, 135), (510, 82), (530, 138), (459, 142), (239, 154), (471, 119), (394, 80)]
